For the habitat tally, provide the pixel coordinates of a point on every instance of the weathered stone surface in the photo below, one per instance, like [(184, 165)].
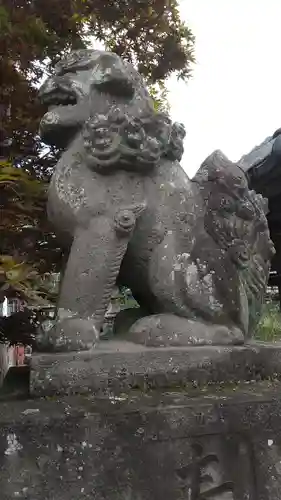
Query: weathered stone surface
[(222, 444), (120, 366), (162, 330), (132, 422), (127, 213)]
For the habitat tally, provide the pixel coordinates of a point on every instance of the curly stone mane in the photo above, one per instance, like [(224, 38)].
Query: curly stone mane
[(131, 141)]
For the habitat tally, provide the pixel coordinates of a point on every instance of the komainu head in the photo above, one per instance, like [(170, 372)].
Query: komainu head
[(104, 98)]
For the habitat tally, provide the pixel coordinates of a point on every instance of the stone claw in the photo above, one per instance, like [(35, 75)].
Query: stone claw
[(71, 334)]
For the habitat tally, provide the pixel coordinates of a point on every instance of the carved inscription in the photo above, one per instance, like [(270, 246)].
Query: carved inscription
[(203, 478)]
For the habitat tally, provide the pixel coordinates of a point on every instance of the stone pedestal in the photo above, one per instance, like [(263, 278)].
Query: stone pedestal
[(121, 366), (127, 423)]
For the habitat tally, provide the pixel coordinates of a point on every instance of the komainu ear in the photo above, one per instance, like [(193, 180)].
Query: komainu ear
[(175, 148), (112, 76)]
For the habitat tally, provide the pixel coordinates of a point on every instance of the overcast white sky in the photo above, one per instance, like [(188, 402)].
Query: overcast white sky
[(233, 101)]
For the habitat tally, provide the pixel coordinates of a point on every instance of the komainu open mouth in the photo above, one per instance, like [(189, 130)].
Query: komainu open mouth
[(58, 98)]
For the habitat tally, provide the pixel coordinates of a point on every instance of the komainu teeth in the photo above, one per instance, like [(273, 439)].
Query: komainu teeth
[(59, 99)]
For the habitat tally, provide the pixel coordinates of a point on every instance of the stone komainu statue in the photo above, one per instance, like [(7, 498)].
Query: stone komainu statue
[(195, 253)]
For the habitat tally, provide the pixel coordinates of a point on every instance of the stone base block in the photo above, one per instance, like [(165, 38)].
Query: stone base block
[(126, 422), (119, 366), (222, 444)]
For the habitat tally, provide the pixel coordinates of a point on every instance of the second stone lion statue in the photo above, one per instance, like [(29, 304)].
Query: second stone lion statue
[(196, 254)]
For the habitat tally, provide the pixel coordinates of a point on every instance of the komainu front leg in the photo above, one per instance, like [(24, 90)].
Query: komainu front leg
[(93, 266)]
